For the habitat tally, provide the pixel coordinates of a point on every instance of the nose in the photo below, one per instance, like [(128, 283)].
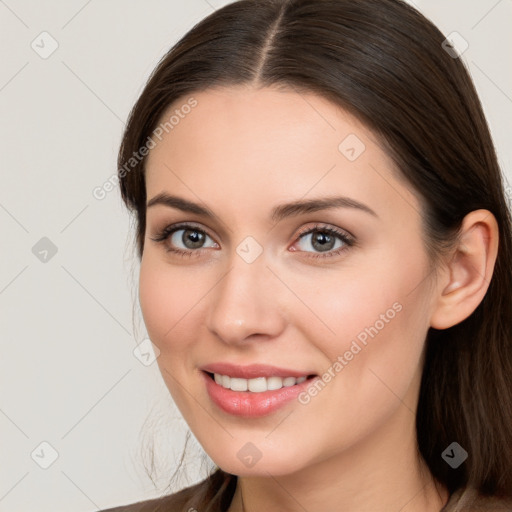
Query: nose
[(245, 304)]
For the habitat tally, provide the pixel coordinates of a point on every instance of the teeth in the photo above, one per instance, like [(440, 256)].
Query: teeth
[(238, 384), (257, 385)]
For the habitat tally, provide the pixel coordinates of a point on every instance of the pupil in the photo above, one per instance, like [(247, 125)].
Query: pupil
[(192, 238), (323, 241)]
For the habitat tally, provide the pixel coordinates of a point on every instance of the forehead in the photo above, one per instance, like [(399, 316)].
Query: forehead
[(248, 145)]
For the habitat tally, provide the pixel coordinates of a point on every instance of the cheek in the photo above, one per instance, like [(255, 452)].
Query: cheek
[(348, 302), (375, 319), (169, 299)]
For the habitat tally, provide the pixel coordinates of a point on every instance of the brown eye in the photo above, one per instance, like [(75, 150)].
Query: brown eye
[(323, 240), (185, 238), (189, 238), (192, 238)]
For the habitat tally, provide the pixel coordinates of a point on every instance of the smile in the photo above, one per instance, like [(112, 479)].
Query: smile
[(256, 395), (256, 385)]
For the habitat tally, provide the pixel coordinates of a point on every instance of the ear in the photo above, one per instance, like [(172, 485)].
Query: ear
[(468, 273)]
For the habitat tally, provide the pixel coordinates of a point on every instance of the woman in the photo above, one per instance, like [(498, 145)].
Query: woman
[(325, 261)]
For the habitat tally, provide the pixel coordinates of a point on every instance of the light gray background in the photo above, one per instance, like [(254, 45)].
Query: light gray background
[(68, 374)]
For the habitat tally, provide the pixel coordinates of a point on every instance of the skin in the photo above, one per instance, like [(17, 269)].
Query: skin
[(240, 152)]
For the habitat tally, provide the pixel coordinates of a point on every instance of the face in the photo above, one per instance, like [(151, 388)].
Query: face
[(335, 287)]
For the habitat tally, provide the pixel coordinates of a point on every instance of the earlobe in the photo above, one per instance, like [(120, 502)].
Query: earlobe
[(469, 271)]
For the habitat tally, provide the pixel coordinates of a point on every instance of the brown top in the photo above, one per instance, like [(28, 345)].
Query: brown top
[(184, 500), (217, 490)]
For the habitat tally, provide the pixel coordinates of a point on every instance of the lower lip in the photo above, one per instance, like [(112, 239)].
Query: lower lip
[(252, 405)]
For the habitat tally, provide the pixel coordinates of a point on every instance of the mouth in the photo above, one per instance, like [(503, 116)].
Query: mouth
[(257, 396), (257, 384)]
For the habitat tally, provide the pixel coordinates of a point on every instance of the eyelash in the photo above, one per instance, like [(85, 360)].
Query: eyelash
[(347, 240)]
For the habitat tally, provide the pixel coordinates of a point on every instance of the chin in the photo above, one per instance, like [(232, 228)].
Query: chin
[(274, 465)]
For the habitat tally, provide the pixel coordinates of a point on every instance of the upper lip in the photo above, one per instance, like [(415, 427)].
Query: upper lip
[(252, 371)]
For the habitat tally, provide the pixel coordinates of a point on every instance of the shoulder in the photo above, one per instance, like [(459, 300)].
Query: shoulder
[(468, 500), (217, 490), (164, 504), (176, 502), (493, 505)]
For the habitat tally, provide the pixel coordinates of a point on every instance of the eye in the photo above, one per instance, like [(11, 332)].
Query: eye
[(321, 239), (185, 239), (189, 240)]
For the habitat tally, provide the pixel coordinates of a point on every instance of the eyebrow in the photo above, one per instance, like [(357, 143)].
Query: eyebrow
[(279, 212)]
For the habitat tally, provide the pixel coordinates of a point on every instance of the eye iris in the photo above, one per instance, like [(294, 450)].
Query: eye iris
[(192, 238), (322, 241)]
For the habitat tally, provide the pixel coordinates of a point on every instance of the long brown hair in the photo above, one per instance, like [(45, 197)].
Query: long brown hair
[(384, 62)]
